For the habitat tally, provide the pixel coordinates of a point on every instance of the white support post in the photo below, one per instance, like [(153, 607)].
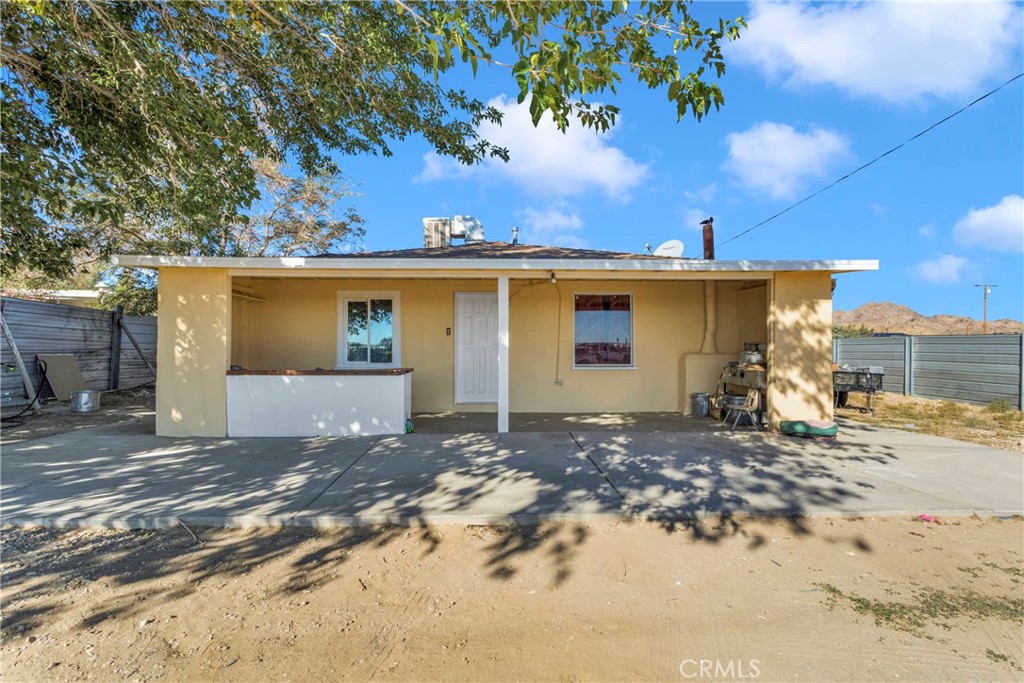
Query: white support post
[(503, 354)]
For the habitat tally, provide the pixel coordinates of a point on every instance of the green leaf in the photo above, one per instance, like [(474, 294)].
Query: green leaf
[(155, 114)]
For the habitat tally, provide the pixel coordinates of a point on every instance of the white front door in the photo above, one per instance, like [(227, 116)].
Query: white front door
[(476, 347)]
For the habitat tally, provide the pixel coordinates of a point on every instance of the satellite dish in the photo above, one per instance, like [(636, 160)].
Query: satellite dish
[(670, 249)]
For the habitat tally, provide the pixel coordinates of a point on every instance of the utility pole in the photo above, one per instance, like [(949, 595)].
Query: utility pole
[(985, 289)]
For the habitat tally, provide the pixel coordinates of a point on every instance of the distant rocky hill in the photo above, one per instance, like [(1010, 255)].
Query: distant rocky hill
[(890, 317)]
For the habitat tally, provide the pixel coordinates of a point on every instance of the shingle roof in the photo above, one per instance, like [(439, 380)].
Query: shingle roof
[(490, 250)]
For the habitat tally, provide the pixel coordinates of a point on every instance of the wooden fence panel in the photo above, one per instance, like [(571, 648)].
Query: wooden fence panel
[(45, 328)]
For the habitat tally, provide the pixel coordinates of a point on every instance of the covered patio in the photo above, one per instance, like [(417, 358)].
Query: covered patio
[(490, 354), (357, 344)]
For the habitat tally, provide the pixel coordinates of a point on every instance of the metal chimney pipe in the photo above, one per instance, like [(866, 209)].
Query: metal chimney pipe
[(709, 238)]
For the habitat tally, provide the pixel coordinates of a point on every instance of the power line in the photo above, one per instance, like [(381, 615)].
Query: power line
[(876, 159)]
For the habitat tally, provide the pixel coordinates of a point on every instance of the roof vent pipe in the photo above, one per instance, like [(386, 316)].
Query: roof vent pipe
[(515, 235), (709, 238)]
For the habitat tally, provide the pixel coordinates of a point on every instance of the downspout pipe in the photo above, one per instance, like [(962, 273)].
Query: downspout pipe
[(710, 290), (710, 317)]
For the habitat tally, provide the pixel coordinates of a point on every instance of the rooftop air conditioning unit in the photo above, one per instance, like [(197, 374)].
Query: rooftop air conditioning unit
[(437, 232), (469, 228)]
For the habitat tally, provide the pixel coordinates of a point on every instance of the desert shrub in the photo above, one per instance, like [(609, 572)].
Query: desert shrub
[(972, 422), (1009, 419), (1000, 405), (951, 409)]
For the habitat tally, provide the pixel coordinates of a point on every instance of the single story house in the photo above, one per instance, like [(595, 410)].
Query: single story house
[(356, 343), (83, 298)]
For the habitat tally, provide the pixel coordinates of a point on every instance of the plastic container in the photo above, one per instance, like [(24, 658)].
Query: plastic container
[(85, 401), (700, 404)]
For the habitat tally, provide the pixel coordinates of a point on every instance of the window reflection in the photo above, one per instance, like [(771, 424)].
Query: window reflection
[(358, 332), (380, 330), (603, 329), (369, 327)]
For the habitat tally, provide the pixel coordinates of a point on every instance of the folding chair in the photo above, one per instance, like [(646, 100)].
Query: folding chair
[(751, 407)]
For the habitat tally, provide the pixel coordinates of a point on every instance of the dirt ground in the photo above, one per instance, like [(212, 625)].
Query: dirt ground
[(741, 599), (998, 425), (56, 418), (745, 599)]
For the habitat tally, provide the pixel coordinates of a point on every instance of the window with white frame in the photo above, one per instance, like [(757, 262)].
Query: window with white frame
[(603, 331), (368, 329)]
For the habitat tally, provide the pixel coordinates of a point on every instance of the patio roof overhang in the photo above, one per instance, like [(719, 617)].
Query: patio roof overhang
[(640, 268)]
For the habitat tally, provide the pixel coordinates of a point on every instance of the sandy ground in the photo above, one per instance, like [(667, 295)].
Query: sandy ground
[(770, 600), (56, 418), (961, 421)]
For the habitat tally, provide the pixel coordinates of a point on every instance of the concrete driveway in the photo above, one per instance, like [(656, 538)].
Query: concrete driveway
[(124, 476)]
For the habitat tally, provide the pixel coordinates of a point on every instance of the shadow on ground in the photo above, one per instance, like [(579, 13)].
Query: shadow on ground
[(705, 485)]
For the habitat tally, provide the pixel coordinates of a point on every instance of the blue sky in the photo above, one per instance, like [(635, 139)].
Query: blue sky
[(812, 92)]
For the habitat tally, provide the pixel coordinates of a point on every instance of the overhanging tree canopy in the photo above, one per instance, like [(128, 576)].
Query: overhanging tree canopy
[(157, 110)]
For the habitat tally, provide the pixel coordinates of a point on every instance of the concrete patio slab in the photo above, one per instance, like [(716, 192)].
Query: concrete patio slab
[(123, 476), (970, 476), (467, 478), (31, 462), (867, 471), (672, 476), (143, 481)]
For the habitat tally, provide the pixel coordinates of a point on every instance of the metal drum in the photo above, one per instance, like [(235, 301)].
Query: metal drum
[(700, 404), (85, 401)]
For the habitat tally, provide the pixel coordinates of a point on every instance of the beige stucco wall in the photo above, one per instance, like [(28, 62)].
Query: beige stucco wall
[(752, 314), (700, 373), (242, 337), (194, 319), (800, 347), (295, 326), (668, 323), (741, 317)]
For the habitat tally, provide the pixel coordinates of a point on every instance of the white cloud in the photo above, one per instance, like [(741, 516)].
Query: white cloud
[(551, 227), (895, 51), (436, 167), (544, 160), (702, 195), (692, 218), (999, 227), (943, 270), (926, 230), (776, 158)]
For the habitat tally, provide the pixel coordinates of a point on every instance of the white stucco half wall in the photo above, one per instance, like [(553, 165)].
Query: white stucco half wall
[(318, 405)]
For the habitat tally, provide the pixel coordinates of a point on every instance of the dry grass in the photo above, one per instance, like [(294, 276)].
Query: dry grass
[(998, 425)]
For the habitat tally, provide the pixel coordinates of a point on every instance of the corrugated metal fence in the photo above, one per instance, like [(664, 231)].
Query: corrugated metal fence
[(885, 351), (43, 328), (973, 369)]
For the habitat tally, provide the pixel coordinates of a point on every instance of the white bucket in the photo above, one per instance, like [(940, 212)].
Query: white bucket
[(85, 401)]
